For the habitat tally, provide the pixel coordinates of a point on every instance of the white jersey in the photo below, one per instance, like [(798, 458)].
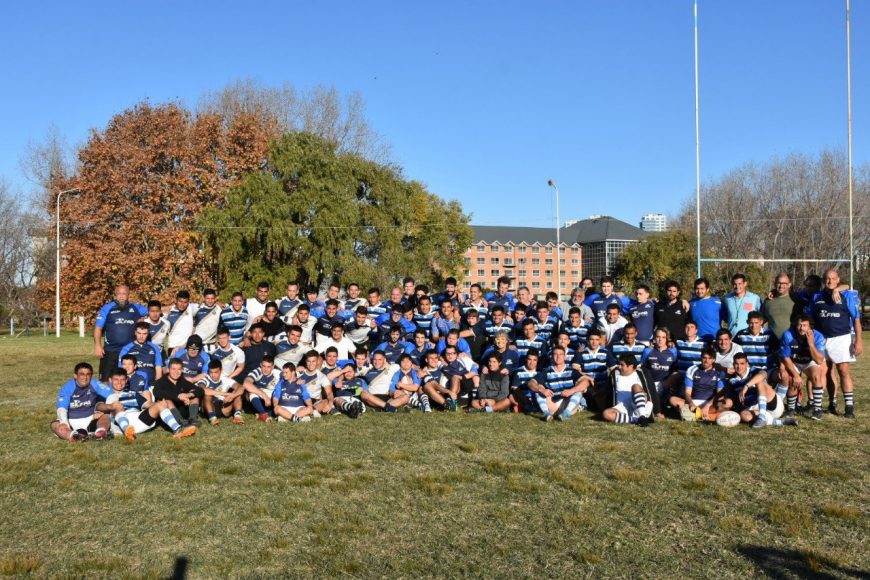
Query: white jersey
[(224, 385), (159, 331), (610, 329), (182, 328), (726, 360), (345, 347), (379, 381), (230, 358), (315, 383), (307, 339), (207, 326), (255, 309)]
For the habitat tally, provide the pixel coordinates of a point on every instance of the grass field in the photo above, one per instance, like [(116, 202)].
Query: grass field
[(425, 495)]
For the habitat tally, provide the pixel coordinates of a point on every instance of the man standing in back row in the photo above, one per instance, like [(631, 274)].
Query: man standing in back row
[(116, 322), (836, 314)]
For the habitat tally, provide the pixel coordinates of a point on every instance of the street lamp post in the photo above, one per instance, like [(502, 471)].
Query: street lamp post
[(552, 184), (57, 265)]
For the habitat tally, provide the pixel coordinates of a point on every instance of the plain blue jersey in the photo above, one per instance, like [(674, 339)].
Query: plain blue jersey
[(118, 323), (707, 314)]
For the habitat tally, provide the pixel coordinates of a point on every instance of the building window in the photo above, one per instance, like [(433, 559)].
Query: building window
[(536, 261), (536, 273), (493, 260), (508, 261), (467, 260), (536, 284), (468, 284), (468, 272), (549, 284), (561, 261), (549, 249), (548, 261), (481, 272), (522, 261), (481, 260), (562, 273), (494, 272), (481, 248), (522, 273), (521, 249), (562, 285), (536, 250), (575, 250), (575, 273), (494, 249), (574, 262), (548, 273)]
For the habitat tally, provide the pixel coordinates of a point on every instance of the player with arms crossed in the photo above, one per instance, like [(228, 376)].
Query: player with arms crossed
[(221, 390)]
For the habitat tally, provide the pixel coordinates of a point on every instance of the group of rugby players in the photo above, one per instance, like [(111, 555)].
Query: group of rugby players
[(632, 360)]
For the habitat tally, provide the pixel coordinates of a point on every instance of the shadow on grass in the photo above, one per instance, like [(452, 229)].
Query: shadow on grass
[(180, 570), (779, 563)]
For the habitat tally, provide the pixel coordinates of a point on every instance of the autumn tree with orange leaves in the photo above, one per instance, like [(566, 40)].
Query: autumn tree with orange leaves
[(143, 181)]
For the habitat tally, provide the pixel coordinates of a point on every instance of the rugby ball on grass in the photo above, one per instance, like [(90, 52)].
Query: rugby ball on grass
[(728, 419)]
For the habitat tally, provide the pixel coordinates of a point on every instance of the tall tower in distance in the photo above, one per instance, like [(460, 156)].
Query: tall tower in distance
[(654, 222)]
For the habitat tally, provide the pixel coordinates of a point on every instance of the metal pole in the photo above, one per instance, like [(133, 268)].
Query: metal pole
[(697, 151), (57, 265), (849, 123), (552, 184)]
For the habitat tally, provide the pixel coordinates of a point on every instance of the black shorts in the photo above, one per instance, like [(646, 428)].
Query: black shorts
[(146, 418), (108, 364)]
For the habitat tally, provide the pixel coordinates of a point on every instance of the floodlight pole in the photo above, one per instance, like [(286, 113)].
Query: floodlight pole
[(698, 151), (849, 124), (57, 264), (552, 184)]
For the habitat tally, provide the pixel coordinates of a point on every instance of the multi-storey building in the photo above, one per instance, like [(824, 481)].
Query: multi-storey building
[(528, 255)]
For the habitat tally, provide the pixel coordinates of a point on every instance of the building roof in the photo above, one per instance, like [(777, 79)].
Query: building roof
[(587, 231)]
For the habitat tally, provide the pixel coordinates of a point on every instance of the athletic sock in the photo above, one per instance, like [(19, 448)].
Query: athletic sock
[(176, 414), (792, 402), (389, 408), (168, 418), (849, 398), (833, 400), (237, 414), (762, 406), (424, 403), (193, 412), (781, 390), (622, 418), (257, 402), (639, 403), (346, 404), (488, 409), (211, 415), (122, 421), (818, 393)]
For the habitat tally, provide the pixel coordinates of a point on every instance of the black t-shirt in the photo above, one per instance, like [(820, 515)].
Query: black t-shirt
[(673, 317), (254, 355)]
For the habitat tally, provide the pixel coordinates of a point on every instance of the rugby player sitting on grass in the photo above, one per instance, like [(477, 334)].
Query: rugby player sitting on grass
[(290, 399), (82, 411), (406, 387), (347, 388), (260, 383), (223, 392), (494, 392), (559, 388), (634, 396), (135, 412), (319, 386), (703, 388), (750, 395), (184, 396)]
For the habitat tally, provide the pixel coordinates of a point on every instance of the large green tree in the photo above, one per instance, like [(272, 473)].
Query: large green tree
[(316, 214)]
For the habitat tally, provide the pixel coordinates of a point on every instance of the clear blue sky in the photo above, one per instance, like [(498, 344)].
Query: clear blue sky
[(482, 101)]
